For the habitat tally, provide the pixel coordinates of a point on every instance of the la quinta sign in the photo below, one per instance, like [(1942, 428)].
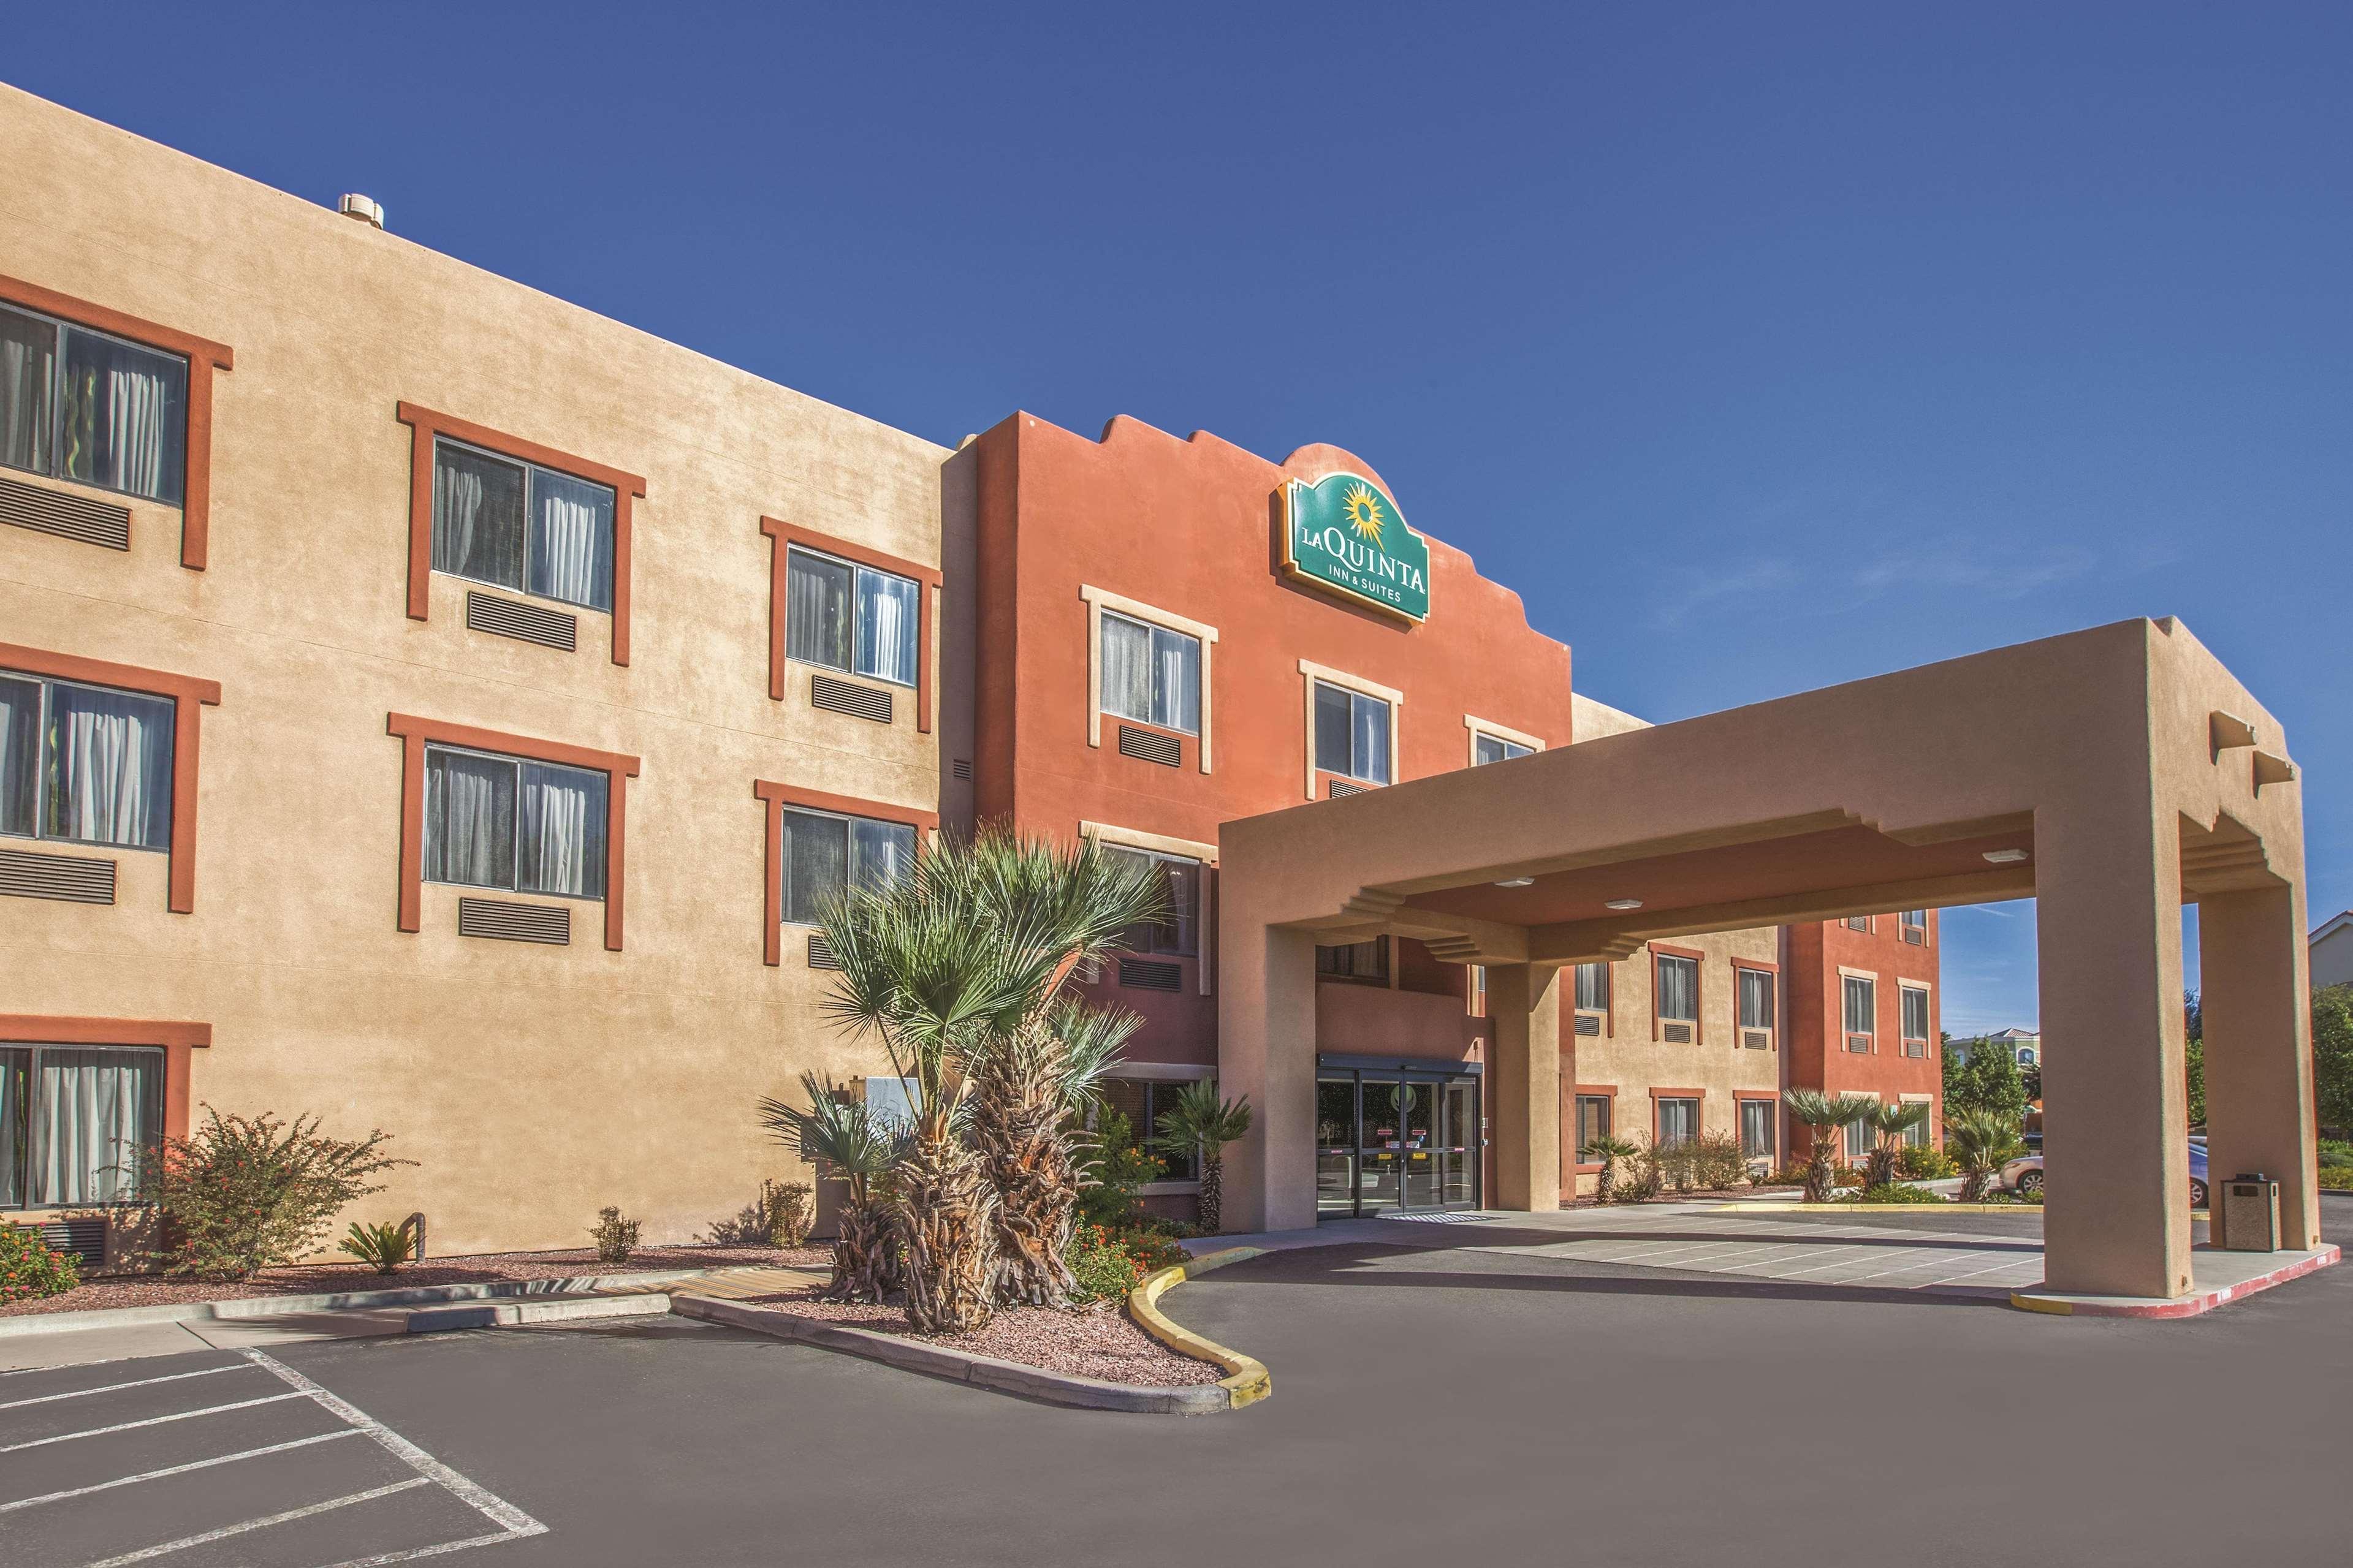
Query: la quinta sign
[(1343, 532)]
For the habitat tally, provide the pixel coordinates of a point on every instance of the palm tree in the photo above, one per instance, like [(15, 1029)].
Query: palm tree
[(1200, 1121), (1891, 1121), (1608, 1150), (837, 1131), (1824, 1115), (1983, 1141)]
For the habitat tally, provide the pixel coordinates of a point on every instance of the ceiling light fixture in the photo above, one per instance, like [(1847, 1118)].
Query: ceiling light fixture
[(1623, 904), (1517, 882), (2004, 857)]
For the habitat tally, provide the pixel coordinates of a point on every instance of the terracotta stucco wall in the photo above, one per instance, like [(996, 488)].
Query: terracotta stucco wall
[(1820, 961), (533, 1084)]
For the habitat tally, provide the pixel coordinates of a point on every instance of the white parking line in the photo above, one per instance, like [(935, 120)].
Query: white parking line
[(112, 1387), (150, 1421), (226, 1531), (381, 1558), (173, 1470)]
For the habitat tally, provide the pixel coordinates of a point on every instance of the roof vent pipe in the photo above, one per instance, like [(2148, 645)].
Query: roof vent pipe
[(366, 209)]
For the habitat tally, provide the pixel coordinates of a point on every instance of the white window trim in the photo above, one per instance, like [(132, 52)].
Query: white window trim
[(1205, 908), (1098, 600), (1310, 673), (1927, 989), (1479, 727), (1846, 1133), (1873, 975)]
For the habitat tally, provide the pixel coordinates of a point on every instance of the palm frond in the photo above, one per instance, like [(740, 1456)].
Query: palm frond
[(1895, 1118), (1818, 1109), (1200, 1120), (836, 1130), (1090, 1038)]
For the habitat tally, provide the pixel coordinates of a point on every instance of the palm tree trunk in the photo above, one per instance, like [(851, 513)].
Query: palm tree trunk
[(860, 1255), (1213, 1192), (1973, 1185), (1881, 1170), (1605, 1185), (1818, 1168), (946, 1222)]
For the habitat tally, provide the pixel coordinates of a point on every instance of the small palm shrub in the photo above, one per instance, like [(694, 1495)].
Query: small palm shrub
[(1924, 1162), (791, 1209), (383, 1248), (1982, 1141), (243, 1194), (1826, 1116), (1201, 1122), (29, 1269), (1607, 1151), (615, 1237)]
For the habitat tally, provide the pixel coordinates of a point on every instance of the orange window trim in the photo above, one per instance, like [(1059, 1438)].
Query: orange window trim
[(204, 357), (176, 1038), (776, 796), (1699, 990), (785, 535), (425, 425), (189, 698), (1608, 1091), (417, 733)]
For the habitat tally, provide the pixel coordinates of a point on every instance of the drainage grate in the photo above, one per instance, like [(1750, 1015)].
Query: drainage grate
[(1148, 974), (69, 878), (849, 696), (1677, 1033), (85, 1238), (1442, 1216), (1146, 747), (1588, 1025), (1337, 789), (68, 516), (820, 953), (549, 923), (527, 623)]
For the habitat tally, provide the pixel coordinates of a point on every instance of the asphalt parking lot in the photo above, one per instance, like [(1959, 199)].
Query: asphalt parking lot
[(1459, 1399)]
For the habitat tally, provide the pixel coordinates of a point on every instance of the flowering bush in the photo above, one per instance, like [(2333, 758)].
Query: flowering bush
[(1120, 1164), (245, 1194), (29, 1269), (1924, 1162), (1105, 1270)]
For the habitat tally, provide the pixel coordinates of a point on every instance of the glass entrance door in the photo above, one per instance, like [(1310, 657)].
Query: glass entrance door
[(1391, 1141), (1336, 1146), (1380, 1143)]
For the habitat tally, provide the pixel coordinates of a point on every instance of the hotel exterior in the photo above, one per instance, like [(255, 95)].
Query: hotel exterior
[(431, 706)]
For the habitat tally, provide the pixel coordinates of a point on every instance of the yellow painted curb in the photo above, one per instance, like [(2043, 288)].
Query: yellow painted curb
[(2026, 1303), (1247, 1381)]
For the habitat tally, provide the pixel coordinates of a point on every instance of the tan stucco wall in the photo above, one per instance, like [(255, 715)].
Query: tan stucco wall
[(534, 1084)]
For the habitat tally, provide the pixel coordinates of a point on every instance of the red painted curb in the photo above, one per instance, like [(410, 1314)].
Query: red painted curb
[(2191, 1306)]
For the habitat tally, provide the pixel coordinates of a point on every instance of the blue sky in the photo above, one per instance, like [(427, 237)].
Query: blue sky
[(1760, 347)]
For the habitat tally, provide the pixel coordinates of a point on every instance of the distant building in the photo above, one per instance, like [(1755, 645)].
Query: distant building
[(2026, 1044), (2332, 952)]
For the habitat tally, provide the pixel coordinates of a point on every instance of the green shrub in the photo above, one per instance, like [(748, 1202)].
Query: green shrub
[(2337, 1154), (1717, 1160), (1898, 1192), (1787, 1176), (383, 1248), (1151, 1249), (241, 1194), (1925, 1163), (791, 1211), (1120, 1164), (1105, 1270), (2336, 1178), (2002, 1196), (29, 1270), (615, 1238)]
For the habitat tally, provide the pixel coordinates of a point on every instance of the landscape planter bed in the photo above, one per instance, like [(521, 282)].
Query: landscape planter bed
[(1088, 1341)]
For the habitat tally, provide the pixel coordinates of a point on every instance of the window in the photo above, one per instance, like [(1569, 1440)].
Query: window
[(1144, 1102), (1592, 1124), (1916, 1022), (1677, 996), (88, 764), (523, 826), (516, 525), (1593, 988), (1917, 1136), (1862, 1012), (1860, 1137), (852, 617), (1756, 1119), (1915, 926), (1485, 749), (1678, 1120), (1151, 674), (77, 1124), (1352, 733), (1755, 999), (1858, 922), (825, 855), (1176, 932), (79, 405), (1356, 961)]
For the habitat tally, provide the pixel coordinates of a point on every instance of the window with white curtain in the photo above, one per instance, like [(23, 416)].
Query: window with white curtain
[(1915, 1013), (1177, 931), (1860, 1137), (1862, 1009), (82, 405), (1678, 1122), (850, 617), (1485, 749), (1918, 1135), (508, 823), (1151, 674), (1757, 1118), (87, 764), (1592, 987), (1755, 999), (825, 854), (1677, 996), (517, 525), (78, 1123), (1352, 733)]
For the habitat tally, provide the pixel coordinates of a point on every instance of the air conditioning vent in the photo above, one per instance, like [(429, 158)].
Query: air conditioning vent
[(962, 768), (68, 516), (1338, 788), (1859, 1043), (1915, 935), (85, 1238), (849, 696), (495, 918), (528, 622), (1915, 1047), (68, 877), (1587, 1024), (1757, 1039), (1147, 975), (1147, 747), (820, 953), (1677, 1033)]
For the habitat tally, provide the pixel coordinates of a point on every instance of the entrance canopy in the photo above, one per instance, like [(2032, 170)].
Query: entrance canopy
[(2112, 773)]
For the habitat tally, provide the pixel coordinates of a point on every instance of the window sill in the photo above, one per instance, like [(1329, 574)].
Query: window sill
[(1167, 1189), (836, 671)]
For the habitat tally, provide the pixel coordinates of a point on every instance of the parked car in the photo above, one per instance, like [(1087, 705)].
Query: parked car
[(2024, 1174)]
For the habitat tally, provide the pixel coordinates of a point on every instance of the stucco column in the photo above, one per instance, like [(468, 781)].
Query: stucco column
[(1524, 1085), (2258, 1014), (2115, 1160), (1266, 1049)]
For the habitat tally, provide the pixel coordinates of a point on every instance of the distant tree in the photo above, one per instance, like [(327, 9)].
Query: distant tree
[(2332, 1054), (2193, 1056), (1986, 1079)]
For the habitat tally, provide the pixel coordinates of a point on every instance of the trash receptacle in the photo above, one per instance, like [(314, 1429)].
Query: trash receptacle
[(2251, 1213)]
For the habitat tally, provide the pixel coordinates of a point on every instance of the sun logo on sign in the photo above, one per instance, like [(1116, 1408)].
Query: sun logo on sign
[(1364, 510)]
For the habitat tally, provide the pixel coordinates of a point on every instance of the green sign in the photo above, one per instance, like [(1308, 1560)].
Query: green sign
[(1343, 532)]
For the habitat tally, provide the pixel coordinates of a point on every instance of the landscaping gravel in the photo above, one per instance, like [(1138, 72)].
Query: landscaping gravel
[(308, 1280), (1086, 1341)]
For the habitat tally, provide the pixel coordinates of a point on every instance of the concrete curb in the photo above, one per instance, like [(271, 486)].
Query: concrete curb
[(2183, 1307), (1247, 1381), (353, 1301), (957, 1366), (511, 1314)]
